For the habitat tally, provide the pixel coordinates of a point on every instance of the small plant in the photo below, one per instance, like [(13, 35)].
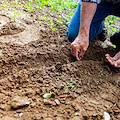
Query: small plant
[(2, 6), (111, 21), (100, 74), (15, 14), (29, 7), (59, 21), (52, 26), (70, 84), (10, 103), (114, 29), (47, 95), (42, 19)]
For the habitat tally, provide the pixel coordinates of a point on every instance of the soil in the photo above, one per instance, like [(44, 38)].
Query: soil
[(35, 60)]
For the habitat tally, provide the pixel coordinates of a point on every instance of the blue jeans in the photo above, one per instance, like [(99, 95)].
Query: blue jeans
[(102, 11)]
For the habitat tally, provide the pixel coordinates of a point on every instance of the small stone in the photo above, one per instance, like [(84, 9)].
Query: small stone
[(106, 116), (18, 102), (48, 102), (76, 114), (57, 102), (20, 115), (48, 119), (33, 104)]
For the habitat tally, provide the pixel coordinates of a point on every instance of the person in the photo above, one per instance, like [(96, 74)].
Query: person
[(88, 22)]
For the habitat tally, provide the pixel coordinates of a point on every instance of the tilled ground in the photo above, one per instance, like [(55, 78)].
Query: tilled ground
[(35, 60)]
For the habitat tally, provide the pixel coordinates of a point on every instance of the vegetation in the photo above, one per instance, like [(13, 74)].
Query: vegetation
[(110, 24), (55, 6), (58, 6), (70, 84), (47, 95)]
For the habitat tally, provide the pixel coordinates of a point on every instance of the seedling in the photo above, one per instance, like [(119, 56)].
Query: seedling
[(10, 103), (54, 5), (113, 46), (47, 95), (52, 26), (100, 73), (29, 7), (59, 21), (15, 14), (70, 84), (41, 22), (114, 29), (43, 17), (110, 21), (2, 6)]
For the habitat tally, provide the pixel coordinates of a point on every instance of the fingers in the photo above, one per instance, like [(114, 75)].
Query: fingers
[(75, 51), (78, 47), (107, 55), (110, 60), (81, 53), (117, 56), (115, 62)]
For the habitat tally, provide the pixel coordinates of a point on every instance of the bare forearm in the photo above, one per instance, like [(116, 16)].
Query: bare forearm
[(81, 42), (87, 12)]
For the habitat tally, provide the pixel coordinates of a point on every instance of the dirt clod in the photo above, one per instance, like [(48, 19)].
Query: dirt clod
[(18, 102)]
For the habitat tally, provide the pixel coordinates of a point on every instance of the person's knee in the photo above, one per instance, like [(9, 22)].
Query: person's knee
[(71, 35)]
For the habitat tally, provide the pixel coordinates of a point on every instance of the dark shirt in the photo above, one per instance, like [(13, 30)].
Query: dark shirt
[(99, 1)]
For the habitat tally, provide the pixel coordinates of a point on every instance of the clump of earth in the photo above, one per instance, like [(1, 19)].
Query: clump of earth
[(34, 60)]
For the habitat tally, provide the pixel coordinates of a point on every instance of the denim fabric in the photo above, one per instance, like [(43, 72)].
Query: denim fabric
[(102, 11), (95, 1), (99, 1)]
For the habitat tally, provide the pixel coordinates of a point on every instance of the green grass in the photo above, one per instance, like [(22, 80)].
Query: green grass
[(63, 9), (70, 84), (111, 24)]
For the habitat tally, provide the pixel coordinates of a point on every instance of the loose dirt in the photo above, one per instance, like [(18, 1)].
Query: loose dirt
[(34, 60)]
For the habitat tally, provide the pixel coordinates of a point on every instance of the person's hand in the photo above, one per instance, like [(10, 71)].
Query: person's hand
[(114, 61), (79, 47)]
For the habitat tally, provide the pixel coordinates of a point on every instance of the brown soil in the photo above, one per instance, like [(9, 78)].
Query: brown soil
[(35, 60)]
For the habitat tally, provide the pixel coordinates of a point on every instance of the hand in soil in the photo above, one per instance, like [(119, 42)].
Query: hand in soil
[(114, 61), (79, 47)]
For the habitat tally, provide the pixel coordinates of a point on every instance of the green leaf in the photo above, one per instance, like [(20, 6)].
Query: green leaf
[(54, 29), (47, 95), (51, 23), (44, 17), (70, 14), (71, 80)]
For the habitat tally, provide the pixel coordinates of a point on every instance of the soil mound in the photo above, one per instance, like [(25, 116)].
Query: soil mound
[(11, 28)]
